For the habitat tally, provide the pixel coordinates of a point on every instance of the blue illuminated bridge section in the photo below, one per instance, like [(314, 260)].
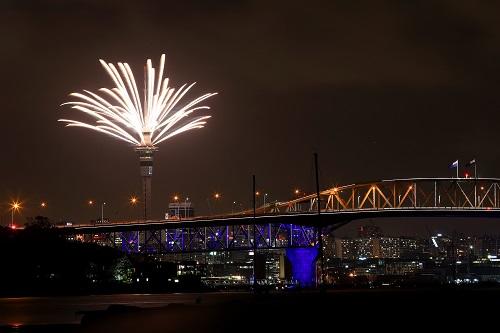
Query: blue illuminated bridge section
[(296, 223)]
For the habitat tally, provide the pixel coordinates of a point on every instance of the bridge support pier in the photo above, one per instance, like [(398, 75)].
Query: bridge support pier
[(303, 262)]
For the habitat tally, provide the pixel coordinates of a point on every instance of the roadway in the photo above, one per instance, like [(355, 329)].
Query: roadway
[(325, 219)]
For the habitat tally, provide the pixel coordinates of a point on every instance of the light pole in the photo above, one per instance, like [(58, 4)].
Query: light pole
[(102, 211), (176, 200), (43, 206), (92, 202), (133, 202), (217, 196), (14, 206)]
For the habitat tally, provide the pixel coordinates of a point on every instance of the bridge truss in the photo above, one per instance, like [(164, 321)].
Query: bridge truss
[(295, 223), (400, 194), (189, 238)]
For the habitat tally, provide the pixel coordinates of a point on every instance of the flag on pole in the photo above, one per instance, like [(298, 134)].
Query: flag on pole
[(454, 165), (471, 163)]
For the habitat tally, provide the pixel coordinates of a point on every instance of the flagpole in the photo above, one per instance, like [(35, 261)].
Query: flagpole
[(458, 164)]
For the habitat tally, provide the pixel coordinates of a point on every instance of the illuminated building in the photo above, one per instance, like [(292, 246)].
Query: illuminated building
[(183, 209), (389, 247)]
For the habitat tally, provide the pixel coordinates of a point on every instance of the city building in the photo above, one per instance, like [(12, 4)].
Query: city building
[(182, 209)]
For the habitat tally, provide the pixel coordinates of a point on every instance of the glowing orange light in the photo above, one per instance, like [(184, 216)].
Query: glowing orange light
[(217, 196), (133, 200), (91, 202), (13, 227), (43, 205), (176, 197), (15, 206), (297, 191), (257, 193)]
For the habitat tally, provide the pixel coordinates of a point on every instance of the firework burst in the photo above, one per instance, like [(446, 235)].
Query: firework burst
[(119, 111)]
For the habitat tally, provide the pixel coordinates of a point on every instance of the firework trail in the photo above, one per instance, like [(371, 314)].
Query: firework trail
[(119, 111)]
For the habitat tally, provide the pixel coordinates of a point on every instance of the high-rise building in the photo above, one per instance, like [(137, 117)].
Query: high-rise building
[(376, 247), (366, 247), (345, 248), (410, 248), (389, 247)]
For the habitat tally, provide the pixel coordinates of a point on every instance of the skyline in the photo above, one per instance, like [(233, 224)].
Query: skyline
[(375, 101)]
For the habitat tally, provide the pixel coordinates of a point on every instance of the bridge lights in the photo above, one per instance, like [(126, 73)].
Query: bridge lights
[(133, 201), (43, 204)]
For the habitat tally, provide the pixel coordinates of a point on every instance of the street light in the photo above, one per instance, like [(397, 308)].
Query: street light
[(217, 197), (102, 212), (14, 206), (133, 201), (185, 207), (176, 200), (43, 204), (92, 202)]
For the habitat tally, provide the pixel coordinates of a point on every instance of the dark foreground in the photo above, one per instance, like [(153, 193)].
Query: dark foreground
[(312, 311)]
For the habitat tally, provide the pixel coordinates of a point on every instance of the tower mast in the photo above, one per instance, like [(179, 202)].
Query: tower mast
[(146, 154)]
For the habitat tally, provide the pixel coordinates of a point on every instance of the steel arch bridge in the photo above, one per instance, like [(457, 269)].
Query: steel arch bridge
[(401, 194), (297, 223)]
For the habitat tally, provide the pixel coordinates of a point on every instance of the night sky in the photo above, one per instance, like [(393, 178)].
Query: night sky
[(379, 89)]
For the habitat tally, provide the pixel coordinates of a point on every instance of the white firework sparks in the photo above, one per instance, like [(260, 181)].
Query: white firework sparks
[(118, 111)]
